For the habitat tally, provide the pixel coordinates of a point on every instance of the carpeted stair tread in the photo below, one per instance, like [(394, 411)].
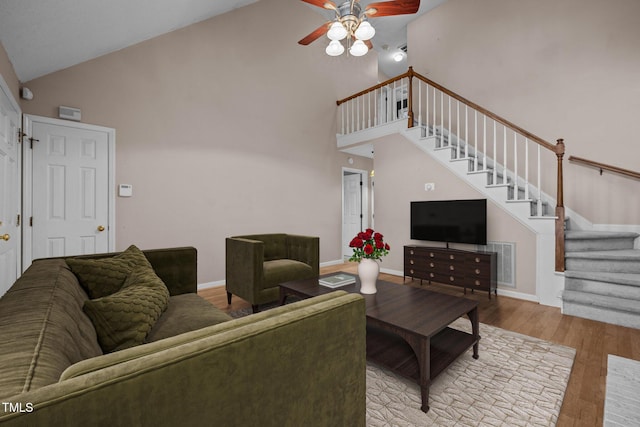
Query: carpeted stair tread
[(631, 279), (604, 301), (590, 234), (619, 255)]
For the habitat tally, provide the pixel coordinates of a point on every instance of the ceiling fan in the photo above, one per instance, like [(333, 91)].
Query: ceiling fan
[(351, 23)]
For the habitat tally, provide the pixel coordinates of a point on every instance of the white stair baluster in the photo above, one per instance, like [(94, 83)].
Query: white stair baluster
[(435, 120), (420, 105), (441, 118), (484, 144), (395, 105), (375, 107), (458, 128), (475, 140), (495, 156), (466, 130), (449, 141), (504, 143), (539, 210), (526, 169), (427, 107), (515, 164)]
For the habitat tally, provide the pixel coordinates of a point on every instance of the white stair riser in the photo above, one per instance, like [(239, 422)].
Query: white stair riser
[(603, 288), (602, 315)]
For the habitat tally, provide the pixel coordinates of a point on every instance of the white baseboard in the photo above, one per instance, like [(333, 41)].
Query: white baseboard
[(518, 295), (208, 285), (330, 263)]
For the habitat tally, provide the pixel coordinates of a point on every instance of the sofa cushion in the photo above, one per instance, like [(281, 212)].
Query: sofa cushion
[(283, 270), (43, 329), (186, 313), (124, 319), (104, 276)]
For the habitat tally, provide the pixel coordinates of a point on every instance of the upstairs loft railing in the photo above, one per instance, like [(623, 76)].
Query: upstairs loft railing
[(603, 166), (512, 156)]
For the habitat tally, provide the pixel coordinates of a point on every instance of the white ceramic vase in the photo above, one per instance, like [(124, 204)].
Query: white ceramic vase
[(368, 270)]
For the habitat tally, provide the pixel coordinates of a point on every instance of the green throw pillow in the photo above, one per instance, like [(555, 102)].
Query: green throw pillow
[(104, 276), (124, 318)]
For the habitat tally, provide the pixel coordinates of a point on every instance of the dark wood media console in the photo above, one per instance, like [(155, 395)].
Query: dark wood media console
[(476, 270)]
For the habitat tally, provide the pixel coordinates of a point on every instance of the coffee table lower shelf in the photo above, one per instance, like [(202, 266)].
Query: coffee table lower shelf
[(393, 352)]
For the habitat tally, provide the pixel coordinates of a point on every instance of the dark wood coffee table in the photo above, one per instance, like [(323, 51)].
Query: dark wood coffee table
[(407, 327)]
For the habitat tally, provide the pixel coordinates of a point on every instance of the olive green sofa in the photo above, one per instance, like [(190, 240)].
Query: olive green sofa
[(299, 364), (256, 264)]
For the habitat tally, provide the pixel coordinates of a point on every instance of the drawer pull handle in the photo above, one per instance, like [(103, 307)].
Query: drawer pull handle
[(431, 265), (411, 271), (477, 282), (451, 278), (477, 271), (452, 267), (432, 275), (431, 254), (411, 251), (477, 259), (411, 262), (452, 257)]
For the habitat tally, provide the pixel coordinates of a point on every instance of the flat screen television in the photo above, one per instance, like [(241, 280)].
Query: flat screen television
[(450, 221)]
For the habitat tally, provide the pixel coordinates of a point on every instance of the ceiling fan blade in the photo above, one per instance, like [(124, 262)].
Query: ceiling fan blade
[(391, 8), (326, 4), (315, 34)]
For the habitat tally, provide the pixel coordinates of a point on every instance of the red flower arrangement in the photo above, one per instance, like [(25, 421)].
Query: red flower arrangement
[(368, 244)]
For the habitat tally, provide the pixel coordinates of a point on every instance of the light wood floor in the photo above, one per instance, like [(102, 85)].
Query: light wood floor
[(583, 403)]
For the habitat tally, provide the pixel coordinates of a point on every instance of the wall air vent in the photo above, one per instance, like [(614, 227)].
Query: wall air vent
[(69, 113), (506, 261)]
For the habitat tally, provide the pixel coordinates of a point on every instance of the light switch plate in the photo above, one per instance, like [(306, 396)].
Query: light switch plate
[(125, 190)]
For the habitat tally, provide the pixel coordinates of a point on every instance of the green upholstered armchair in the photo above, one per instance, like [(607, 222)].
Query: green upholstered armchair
[(257, 264)]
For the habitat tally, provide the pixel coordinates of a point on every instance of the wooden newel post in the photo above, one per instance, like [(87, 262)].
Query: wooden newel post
[(410, 100), (560, 209)]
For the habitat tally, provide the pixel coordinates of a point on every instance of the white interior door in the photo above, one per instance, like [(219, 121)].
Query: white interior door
[(10, 194), (72, 190), (353, 210)]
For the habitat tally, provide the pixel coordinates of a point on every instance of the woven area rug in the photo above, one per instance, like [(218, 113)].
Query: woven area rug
[(517, 381)]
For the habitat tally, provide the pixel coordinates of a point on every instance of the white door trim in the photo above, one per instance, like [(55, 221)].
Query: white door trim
[(4, 87), (27, 177), (364, 176)]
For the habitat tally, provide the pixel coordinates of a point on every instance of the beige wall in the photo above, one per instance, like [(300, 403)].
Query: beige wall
[(224, 127), (560, 69), (9, 74), (401, 170)]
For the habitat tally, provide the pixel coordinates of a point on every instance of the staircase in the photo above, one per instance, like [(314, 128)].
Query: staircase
[(602, 277), (601, 280)]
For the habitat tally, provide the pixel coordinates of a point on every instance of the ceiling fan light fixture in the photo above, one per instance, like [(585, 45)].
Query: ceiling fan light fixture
[(335, 48), (365, 31), (358, 48), (399, 56), (337, 31)]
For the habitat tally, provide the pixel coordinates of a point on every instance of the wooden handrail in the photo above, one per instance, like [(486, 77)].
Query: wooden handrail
[(484, 111), (603, 166), (373, 88)]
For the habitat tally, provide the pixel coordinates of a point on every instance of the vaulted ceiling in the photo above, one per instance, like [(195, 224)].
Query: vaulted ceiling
[(41, 37)]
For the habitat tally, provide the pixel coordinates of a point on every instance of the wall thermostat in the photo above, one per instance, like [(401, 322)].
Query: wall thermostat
[(125, 190)]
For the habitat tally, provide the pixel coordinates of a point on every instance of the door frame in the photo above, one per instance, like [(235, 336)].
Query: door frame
[(364, 200), (19, 162), (27, 179)]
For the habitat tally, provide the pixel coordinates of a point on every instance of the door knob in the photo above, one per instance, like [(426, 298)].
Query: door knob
[(6, 237), (100, 228)]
